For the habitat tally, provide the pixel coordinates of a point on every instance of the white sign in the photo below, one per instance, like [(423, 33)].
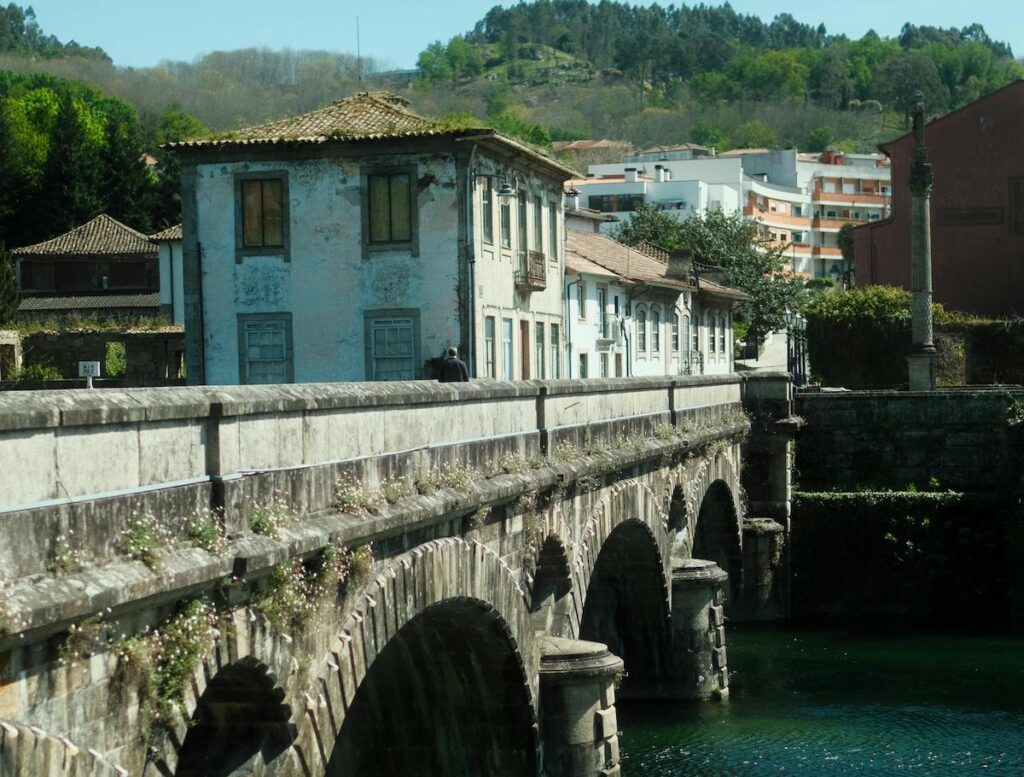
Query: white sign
[(88, 369)]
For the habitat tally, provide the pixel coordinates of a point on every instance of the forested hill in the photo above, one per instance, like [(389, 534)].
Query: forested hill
[(20, 33), (714, 53), (74, 126)]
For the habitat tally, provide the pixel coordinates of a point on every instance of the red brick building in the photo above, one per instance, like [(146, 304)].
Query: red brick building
[(977, 209)]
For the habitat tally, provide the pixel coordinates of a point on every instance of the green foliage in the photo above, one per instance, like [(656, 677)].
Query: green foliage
[(8, 288), (36, 372), (116, 361), (730, 243), (145, 538)]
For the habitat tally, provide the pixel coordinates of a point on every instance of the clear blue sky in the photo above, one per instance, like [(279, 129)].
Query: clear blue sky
[(143, 32)]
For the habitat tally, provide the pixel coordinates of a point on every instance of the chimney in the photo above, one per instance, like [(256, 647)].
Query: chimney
[(666, 174), (630, 175), (659, 174), (572, 199), (680, 265)]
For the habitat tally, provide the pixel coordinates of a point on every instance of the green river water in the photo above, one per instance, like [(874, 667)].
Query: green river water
[(816, 701)]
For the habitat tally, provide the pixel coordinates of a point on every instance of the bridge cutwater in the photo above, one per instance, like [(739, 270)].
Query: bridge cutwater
[(364, 579)]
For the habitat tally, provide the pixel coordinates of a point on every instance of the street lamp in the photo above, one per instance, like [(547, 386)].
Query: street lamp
[(796, 346)]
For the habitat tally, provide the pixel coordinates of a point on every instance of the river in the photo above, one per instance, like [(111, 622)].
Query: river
[(843, 701)]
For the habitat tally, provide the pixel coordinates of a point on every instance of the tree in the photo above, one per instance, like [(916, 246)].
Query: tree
[(8, 288), (730, 243), (906, 74)]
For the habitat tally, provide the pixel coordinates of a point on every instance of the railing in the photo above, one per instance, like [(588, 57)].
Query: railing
[(532, 271), (692, 363)]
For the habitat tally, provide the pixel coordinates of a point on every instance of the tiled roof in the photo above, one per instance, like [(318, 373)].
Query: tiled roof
[(712, 289), (103, 236), (621, 259), (171, 233), (362, 116), (578, 264), (90, 302)]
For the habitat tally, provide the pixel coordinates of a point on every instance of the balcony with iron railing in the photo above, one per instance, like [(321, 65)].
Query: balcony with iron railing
[(531, 274)]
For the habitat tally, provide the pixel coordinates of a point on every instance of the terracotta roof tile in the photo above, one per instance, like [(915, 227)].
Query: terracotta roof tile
[(103, 236), (364, 115), (171, 233), (621, 259)]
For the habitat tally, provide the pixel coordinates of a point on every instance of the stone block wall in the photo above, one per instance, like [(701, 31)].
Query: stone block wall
[(888, 439)]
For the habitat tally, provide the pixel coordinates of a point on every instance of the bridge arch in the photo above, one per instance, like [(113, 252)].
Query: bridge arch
[(438, 648), (620, 575), (717, 535)]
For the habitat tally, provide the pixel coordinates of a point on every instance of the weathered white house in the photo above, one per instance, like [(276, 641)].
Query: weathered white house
[(359, 241), (633, 311), (172, 291)]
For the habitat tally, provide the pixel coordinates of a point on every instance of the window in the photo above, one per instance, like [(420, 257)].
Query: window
[(556, 360), (686, 331), (675, 331), (538, 224), (506, 348), (583, 365), (696, 333), (602, 305), (392, 344), (538, 346), (829, 187), (711, 332), (783, 236), (506, 223), (261, 215), (490, 348), (487, 210), (265, 348), (604, 365), (641, 330), (1017, 206), (581, 301), (553, 231), (390, 207), (721, 334), (615, 203), (656, 331)]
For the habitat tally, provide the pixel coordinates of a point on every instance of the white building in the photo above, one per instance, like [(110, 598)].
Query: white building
[(801, 200), (172, 282), (643, 312), (360, 241)]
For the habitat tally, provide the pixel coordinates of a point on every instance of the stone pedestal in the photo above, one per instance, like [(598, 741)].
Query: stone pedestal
[(698, 631), (921, 368), (764, 581), (577, 701)]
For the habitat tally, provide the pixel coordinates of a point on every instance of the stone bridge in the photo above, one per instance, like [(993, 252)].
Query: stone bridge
[(366, 579)]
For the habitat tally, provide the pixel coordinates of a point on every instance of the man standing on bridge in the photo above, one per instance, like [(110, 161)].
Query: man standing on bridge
[(453, 369)]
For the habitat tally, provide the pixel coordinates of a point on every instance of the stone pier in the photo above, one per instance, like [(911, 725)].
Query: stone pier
[(578, 725), (698, 631)]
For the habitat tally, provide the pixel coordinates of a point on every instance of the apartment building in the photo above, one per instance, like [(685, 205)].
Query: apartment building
[(800, 200)]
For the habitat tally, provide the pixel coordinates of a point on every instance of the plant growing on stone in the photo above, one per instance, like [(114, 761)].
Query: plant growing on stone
[(297, 589), (268, 519), (565, 451), (476, 518), (163, 659), (665, 432), (396, 489), (65, 558), (458, 477), (360, 563), (206, 531), (144, 539), (83, 640), (352, 495), (512, 463)]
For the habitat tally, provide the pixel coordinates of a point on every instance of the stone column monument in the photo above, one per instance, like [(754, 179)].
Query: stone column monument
[(921, 361)]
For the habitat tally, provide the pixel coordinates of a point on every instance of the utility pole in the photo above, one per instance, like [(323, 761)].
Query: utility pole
[(921, 361)]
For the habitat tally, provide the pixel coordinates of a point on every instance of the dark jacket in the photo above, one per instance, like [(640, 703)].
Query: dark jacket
[(453, 370)]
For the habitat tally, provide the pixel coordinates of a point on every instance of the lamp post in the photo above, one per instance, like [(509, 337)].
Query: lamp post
[(796, 347)]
